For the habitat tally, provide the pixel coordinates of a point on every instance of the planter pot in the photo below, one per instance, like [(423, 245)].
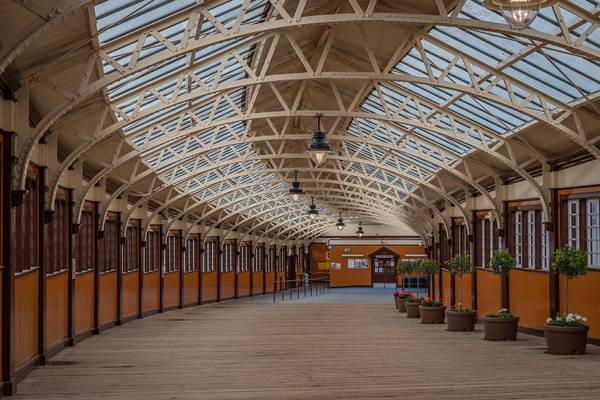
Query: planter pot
[(565, 340), (412, 310), (500, 328), (432, 315), (396, 301), (401, 305), (460, 321)]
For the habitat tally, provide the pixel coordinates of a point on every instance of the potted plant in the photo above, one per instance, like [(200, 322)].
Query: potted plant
[(567, 334), (396, 295), (459, 318), (432, 312), (503, 325), (405, 267), (427, 266), (412, 306), (401, 300)]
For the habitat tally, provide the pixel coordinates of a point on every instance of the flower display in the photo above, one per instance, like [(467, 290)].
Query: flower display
[(429, 302), (568, 320), (502, 313)]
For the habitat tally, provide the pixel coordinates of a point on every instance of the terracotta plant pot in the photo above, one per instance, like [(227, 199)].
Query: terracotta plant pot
[(460, 321), (500, 329), (401, 305), (412, 310), (565, 340), (432, 315)]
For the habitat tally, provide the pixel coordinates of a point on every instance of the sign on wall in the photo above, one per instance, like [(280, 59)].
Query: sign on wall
[(336, 265), (324, 266), (358, 263)]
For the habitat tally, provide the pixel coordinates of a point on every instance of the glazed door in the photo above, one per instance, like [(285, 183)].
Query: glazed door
[(384, 270)]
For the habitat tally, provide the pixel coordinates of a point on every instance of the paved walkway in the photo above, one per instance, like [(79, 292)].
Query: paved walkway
[(347, 344)]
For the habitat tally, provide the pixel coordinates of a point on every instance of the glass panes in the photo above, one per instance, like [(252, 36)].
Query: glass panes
[(519, 238), (573, 223), (593, 233), (531, 239)]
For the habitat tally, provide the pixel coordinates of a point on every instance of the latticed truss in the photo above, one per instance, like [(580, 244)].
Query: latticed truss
[(206, 107)]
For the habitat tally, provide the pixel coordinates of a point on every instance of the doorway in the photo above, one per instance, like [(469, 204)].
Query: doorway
[(384, 268)]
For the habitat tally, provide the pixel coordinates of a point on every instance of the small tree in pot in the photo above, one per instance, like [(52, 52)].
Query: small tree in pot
[(503, 325), (432, 312), (460, 318), (404, 267), (567, 334)]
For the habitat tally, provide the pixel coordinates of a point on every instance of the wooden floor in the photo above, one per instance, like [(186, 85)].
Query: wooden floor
[(348, 344)]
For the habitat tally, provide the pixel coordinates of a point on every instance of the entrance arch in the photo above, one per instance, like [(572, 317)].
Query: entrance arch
[(384, 262)]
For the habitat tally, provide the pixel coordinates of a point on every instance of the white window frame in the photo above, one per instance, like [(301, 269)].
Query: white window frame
[(545, 245), (531, 261), (593, 232), (573, 214), (519, 238), (483, 242)]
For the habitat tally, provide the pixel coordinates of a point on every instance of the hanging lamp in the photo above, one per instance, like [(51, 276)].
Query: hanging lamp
[(519, 14), (340, 223), (312, 209), (360, 231), (295, 191), (318, 147)]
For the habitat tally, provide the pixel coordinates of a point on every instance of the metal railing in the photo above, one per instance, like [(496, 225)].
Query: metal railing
[(305, 286)]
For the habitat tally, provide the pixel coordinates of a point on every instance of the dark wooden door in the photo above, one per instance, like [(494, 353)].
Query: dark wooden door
[(384, 270)]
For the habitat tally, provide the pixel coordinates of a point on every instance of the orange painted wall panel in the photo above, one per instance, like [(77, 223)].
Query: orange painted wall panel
[(584, 299), (171, 289), (151, 291), (243, 284), (209, 286), (130, 299), (269, 281), (489, 291), (57, 308), (257, 282), (227, 285), (108, 297), (83, 298), (446, 293), (190, 288), (529, 294), (466, 290), (280, 280), (26, 317)]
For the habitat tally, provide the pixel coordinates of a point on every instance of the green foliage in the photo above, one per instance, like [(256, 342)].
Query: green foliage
[(569, 262), (427, 266), (460, 264), (502, 313), (406, 267), (502, 262), (567, 320)]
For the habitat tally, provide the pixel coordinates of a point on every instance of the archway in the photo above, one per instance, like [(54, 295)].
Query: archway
[(383, 271)]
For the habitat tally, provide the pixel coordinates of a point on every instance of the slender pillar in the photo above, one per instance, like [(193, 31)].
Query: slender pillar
[(99, 235), (553, 227)]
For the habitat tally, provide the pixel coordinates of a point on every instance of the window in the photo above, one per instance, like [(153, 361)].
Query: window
[(26, 229), (57, 232), (519, 238), (545, 245), (486, 239), (209, 256), (573, 224), (227, 257), (108, 250), (593, 232), (244, 258), (531, 262), (171, 254), (189, 258), (151, 252), (86, 240), (131, 260), (271, 259), (259, 254)]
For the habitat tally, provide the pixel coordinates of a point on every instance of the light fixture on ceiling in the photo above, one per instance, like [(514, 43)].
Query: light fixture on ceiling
[(312, 209), (360, 231), (340, 223), (519, 14), (318, 147), (295, 191)]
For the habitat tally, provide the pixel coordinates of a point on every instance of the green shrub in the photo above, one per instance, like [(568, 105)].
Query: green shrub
[(502, 262), (571, 263)]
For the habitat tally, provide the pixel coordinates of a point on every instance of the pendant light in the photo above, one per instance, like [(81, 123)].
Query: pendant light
[(318, 147), (340, 223), (360, 232), (312, 210), (519, 14), (295, 191)]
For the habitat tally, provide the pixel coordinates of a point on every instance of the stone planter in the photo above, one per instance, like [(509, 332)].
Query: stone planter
[(432, 315), (565, 340), (401, 305), (460, 321), (412, 310), (499, 329)]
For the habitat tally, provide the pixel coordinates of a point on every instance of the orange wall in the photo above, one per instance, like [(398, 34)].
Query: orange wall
[(244, 284), (269, 283), (209, 286), (190, 288), (446, 289), (316, 254), (280, 280), (227, 285), (466, 290), (489, 290), (357, 277), (257, 282), (584, 299), (130, 298), (84, 302), (57, 308), (529, 294), (171, 289), (151, 291), (26, 317), (108, 297)]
